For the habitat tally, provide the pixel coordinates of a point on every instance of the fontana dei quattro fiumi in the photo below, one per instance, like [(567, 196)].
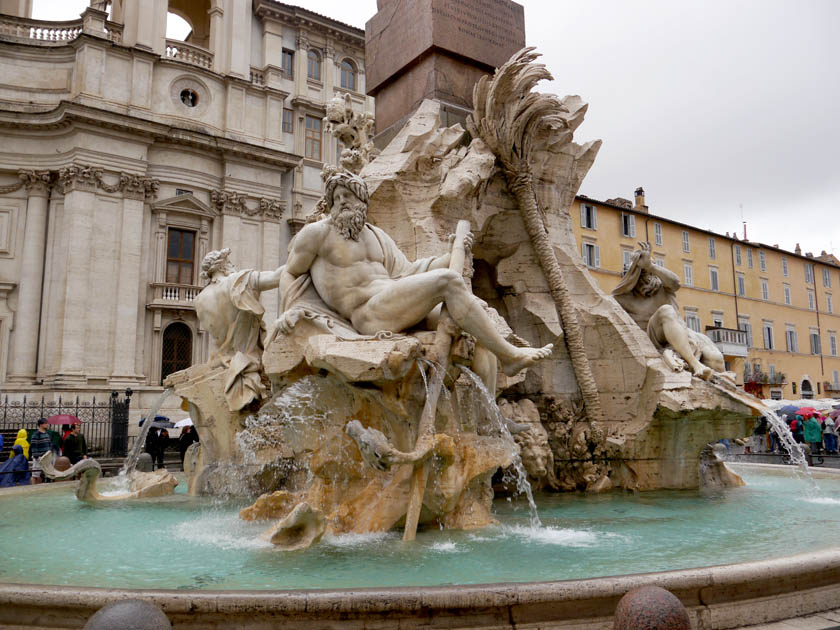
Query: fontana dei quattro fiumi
[(448, 424)]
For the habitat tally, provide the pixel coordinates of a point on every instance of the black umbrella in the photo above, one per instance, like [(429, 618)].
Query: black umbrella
[(160, 422), (788, 410)]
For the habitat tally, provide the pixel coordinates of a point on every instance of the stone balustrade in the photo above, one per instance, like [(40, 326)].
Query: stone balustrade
[(48, 33), (257, 77), (39, 31), (180, 51), (170, 292)]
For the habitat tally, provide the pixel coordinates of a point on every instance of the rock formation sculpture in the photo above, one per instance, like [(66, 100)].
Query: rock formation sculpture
[(714, 473), (374, 418)]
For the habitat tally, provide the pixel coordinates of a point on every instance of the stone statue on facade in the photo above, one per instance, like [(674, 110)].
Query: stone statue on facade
[(229, 308), (648, 293), (361, 275)]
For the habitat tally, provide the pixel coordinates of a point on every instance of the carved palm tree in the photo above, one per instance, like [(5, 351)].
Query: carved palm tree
[(506, 116)]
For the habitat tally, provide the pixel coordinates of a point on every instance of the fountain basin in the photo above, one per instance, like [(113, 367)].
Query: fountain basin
[(723, 596)]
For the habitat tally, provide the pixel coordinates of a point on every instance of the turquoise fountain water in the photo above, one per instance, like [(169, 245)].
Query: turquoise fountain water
[(199, 543)]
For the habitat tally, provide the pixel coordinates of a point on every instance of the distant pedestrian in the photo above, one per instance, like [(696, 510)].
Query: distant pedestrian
[(154, 446), (22, 442), (813, 434), (188, 437), (830, 436), (15, 471), (75, 445), (41, 442), (163, 442)]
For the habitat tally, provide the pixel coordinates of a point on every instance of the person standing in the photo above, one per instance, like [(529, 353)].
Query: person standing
[(41, 442), (15, 471), (21, 441), (75, 445), (188, 437), (830, 436), (813, 434)]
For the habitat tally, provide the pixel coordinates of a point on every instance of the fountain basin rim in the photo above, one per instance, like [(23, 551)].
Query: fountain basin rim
[(801, 584)]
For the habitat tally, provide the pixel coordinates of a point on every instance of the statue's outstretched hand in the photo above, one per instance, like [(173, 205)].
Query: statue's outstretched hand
[(644, 255)]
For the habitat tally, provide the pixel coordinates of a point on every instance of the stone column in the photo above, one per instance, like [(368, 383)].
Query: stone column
[(24, 361), (136, 191), (329, 71), (300, 64), (217, 39), (145, 24), (17, 8), (74, 272)]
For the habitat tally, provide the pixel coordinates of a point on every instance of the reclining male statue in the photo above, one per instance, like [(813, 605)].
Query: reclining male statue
[(648, 293), (359, 273)]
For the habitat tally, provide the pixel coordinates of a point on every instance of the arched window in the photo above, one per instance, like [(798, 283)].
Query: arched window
[(176, 353), (807, 389), (348, 75), (313, 65)]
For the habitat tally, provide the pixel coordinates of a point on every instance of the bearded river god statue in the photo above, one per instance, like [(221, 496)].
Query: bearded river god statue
[(370, 402)]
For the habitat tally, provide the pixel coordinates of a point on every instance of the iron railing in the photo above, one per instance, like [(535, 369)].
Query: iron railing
[(104, 424)]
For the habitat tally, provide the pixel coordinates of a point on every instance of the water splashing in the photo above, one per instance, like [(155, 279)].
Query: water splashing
[(130, 463), (495, 416), (797, 455)]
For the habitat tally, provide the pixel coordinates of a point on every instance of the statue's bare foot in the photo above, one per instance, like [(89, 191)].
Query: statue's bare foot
[(704, 372), (525, 358)]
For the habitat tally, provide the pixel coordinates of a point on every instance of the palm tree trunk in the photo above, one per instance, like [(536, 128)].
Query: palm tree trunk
[(522, 186)]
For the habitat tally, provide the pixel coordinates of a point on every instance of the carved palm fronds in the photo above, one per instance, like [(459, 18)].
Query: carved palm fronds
[(507, 116)]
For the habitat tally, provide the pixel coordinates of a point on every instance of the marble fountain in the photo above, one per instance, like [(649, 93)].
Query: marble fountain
[(349, 452)]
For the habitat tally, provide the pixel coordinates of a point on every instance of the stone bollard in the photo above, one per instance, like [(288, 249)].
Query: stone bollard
[(650, 608), (137, 614), (145, 463)]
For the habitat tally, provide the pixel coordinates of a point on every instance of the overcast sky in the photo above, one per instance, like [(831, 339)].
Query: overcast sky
[(722, 110)]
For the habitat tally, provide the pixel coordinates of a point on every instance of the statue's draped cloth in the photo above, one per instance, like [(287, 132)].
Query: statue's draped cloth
[(301, 299), (242, 349)]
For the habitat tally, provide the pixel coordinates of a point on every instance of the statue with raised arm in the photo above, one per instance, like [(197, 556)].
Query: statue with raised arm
[(359, 273), (648, 293), (229, 308)]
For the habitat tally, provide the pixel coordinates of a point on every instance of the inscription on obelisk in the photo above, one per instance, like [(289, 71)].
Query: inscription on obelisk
[(438, 49)]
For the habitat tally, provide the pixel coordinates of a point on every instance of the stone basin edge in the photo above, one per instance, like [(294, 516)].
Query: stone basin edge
[(724, 596)]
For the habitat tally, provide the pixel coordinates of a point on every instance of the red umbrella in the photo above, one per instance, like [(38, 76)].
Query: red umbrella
[(806, 412), (64, 418)]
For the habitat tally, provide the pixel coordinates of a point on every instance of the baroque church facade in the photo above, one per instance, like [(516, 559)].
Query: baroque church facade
[(128, 156)]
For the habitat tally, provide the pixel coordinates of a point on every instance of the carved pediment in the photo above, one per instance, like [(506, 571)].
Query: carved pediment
[(184, 204)]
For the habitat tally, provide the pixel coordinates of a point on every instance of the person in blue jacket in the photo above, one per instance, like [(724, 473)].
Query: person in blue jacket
[(15, 471)]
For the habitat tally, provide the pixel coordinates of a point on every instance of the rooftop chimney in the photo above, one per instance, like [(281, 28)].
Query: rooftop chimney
[(797, 250), (640, 200)]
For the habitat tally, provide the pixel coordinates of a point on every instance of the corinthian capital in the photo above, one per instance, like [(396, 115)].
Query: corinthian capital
[(137, 187), (36, 182), (272, 208), (79, 177), (227, 202)]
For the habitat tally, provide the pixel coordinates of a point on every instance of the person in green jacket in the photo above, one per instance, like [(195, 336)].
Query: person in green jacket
[(813, 434)]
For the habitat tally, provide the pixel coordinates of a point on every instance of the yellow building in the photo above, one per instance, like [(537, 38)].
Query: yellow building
[(771, 312)]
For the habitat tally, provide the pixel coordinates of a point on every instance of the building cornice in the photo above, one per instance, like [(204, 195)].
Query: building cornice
[(67, 113), (733, 241), (305, 18)]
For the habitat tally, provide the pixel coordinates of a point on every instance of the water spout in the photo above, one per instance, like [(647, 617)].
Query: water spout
[(523, 486), (130, 463)]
